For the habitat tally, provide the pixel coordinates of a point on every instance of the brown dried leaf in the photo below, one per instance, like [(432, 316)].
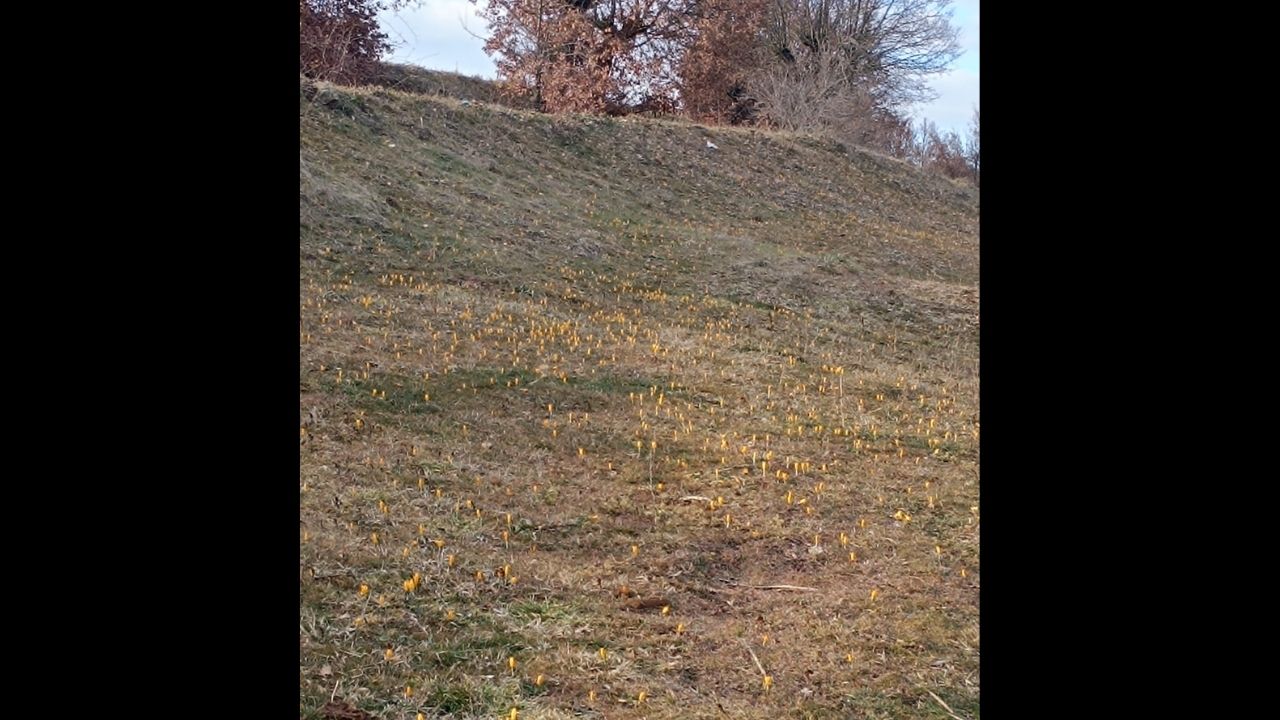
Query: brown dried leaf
[(649, 603), (341, 710)]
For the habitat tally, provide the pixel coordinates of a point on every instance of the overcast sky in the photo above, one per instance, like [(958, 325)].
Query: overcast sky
[(448, 35)]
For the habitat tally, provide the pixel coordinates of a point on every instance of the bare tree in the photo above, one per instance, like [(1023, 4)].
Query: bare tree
[(806, 99), (845, 67), (888, 47), (924, 136), (816, 98), (971, 149), (943, 154)]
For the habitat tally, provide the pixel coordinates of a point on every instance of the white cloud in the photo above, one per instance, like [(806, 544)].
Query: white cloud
[(958, 88), (441, 35), (957, 96), (966, 17)]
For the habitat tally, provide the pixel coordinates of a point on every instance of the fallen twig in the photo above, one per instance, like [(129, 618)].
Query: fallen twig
[(753, 657), (777, 587), (944, 705)]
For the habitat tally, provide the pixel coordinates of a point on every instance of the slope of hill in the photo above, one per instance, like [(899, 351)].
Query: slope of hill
[(421, 81), (598, 421)]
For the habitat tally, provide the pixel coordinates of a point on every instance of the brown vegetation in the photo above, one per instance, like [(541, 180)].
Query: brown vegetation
[(595, 422)]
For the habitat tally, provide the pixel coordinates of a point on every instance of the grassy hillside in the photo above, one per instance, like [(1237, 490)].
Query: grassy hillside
[(420, 81), (599, 422)]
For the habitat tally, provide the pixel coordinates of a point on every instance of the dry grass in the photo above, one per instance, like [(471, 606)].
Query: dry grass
[(611, 399)]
